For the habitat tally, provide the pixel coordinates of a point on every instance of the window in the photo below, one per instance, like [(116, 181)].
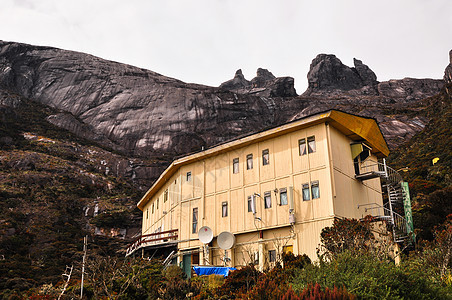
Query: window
[(188, 176), (224, 209), (165, 195), (265, 157), (302, 147), (267, 200), (250, 204), (195, 220), (283, 196), (315, 190), (311, 144), (272, 255), (249, 161), (305, 192), (152, 208), (235, 165), (157, 202), (195, 258), (147, 213)]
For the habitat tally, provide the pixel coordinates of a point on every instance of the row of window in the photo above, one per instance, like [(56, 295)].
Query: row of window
[(155, 205), (303, 150), (308, 194)]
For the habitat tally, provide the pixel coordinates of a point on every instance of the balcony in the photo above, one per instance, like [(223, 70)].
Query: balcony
[(154, 240)]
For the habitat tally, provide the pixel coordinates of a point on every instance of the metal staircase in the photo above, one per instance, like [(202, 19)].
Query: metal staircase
[(392, 210)]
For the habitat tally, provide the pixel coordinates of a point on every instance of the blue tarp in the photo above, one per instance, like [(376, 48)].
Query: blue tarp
[(213, 270)]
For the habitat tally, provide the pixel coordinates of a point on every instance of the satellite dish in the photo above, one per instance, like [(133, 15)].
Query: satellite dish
[(226, 240), (205, 234)]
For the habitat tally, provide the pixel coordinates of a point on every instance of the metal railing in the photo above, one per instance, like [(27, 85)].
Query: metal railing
[(397, 221), (157, 238), (391, 175)]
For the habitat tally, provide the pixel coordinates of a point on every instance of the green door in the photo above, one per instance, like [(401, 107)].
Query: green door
[(186, 265)]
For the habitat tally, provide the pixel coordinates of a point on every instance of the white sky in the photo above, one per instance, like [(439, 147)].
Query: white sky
[(206, 41)]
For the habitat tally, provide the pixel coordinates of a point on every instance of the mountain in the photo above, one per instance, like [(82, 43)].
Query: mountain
[(142, 113), (82, 138)]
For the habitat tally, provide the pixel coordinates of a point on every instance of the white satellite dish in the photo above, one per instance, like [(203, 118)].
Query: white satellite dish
[(226, 240), (205, 234)]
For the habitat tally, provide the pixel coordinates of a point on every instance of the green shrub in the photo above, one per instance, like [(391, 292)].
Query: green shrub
[(368, 277)]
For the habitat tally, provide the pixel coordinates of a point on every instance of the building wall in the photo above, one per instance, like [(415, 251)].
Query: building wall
[(212, 183), (351, 193)]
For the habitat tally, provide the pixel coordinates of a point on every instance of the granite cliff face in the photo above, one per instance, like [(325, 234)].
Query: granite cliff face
[(142, 113), (129, 109)]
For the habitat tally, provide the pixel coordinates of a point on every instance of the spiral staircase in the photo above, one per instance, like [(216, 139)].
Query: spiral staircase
[(392, 210)]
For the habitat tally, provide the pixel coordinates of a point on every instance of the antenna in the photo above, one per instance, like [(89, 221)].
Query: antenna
[(226, 241), (205, 235)]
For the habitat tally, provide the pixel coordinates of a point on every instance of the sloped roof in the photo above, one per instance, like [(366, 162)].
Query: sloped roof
[(355, 127)]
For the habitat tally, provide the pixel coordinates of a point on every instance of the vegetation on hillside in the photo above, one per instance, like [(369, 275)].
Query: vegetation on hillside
[(48, 180), (430, 183)]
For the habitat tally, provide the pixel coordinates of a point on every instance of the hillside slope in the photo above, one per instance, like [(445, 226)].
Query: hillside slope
[(54, 189)]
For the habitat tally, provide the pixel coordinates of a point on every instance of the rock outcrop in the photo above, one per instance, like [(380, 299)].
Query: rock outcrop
[(328, 74), (264, 84), (448, 71), (328, 77)]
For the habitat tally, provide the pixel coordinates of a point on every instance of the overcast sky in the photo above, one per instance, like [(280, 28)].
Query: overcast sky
[(206, 41)]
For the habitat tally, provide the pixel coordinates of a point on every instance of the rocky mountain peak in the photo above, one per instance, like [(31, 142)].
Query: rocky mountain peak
[(367, 75), (264, 84), (238, 82), (328, 73), (329, 78)]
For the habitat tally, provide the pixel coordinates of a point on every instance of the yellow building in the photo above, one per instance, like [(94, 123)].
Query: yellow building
[(274, 191)]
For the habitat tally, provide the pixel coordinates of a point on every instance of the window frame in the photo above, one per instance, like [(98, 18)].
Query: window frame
[(250, 204), (194, 228), (315, 184), (235, 166), (224, 209), (272, 255), (268, 204), (305, 187), (165, 196), (281, 192), (265, 157), (305, 150), (312, 148), (249, 161)]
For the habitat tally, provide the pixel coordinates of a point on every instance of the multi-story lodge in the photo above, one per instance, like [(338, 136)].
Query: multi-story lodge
[(274, 191)]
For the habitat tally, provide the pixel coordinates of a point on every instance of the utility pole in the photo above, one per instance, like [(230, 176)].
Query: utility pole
[(85, 242)]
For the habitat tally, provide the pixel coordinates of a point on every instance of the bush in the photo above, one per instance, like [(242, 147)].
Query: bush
[(368, 277)]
